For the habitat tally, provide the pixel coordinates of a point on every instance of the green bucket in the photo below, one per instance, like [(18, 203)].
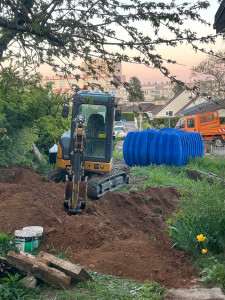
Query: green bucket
[(38, 234), (24, 240)]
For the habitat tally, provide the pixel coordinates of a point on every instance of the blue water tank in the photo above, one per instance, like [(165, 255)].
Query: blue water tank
[(167, 146)]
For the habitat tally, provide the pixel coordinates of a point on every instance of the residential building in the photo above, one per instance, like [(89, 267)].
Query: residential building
[(183, 100)]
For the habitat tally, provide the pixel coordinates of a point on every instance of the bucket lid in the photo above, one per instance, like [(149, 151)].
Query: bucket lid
[(24, 233), (37, 229)]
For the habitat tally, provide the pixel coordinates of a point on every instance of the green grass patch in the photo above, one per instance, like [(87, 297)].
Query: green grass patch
[(107, 287), (103, 287)]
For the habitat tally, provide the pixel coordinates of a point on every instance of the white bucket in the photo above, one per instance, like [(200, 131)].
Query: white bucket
[(38, 234), (24, 240)]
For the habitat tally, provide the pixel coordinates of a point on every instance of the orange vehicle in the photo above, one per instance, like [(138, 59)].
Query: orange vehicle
[(207, 124)]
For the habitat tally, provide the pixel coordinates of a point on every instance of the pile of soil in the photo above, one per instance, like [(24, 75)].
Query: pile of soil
[(120, 234)]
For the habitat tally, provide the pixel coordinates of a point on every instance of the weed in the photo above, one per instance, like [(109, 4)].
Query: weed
[(214, 275), (6, 244), (11, 289), (107, 287), (62, 253), (152, 291)]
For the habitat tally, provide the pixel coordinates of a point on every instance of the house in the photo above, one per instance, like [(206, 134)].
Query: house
[(149, 108), (206, 107), (183, 100)]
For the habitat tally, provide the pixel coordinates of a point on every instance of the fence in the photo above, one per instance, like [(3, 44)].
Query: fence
[(211, 149)]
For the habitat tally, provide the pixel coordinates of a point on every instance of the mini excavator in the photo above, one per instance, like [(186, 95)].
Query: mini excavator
[(84, 154)]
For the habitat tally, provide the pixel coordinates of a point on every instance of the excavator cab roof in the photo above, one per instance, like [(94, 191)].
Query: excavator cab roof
[(95, 96)]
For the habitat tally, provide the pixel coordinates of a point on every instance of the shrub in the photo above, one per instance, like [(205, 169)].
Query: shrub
[(127, 116), (17, 149)]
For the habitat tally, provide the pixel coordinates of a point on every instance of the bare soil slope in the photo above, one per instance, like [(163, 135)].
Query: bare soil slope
[(120, 234)]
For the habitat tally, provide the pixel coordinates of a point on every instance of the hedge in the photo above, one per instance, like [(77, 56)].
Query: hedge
[(127, 116), (164, 122)]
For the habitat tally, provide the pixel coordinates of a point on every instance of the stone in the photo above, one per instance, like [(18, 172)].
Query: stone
[(77, 273), (194, 294), (29, 282)]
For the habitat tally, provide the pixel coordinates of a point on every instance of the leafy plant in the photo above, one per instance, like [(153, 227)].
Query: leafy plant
[(214, 275), (6, 244), (152, 291), (11, 289)]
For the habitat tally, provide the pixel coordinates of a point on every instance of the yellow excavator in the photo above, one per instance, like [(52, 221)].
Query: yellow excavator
[(84, 154)]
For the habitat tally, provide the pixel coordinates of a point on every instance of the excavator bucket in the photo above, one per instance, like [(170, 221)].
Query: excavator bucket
[(82, 197)]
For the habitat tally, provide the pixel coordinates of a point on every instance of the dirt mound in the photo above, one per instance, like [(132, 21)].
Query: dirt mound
[(120, 234)]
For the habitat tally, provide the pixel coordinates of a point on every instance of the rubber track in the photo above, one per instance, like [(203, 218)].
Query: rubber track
[(96, 181)]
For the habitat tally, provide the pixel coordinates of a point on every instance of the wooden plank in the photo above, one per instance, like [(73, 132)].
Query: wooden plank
[(199, 175), (74, 271), (28, 263)]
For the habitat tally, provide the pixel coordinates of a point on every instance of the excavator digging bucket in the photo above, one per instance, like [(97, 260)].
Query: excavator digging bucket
[(69, 189), (83, 190), (82, 197)]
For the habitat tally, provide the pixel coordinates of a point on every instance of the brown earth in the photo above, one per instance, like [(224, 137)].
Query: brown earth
[(120, 234)]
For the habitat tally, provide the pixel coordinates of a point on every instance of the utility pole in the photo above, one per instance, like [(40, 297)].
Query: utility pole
[(170, 114)]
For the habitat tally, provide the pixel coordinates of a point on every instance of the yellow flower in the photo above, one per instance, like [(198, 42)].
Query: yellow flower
[(204, 251), (201, 237)]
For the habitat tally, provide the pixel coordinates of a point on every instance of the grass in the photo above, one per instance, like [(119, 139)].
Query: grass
[(107, 287), (103, 287)]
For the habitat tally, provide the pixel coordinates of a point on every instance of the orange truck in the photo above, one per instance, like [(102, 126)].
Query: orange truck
[(207, 124)]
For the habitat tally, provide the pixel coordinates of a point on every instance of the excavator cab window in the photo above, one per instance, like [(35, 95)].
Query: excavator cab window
[(95, 123)]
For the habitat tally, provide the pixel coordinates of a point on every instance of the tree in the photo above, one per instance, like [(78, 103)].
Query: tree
[(58, 32), (209, 76), (136, 94), (29, 112), (177, 88)]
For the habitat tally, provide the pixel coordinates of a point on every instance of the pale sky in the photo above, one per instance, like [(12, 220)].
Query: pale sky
[(183, 54)]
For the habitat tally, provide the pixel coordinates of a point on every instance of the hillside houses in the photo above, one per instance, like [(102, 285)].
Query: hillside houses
[(184, 103)]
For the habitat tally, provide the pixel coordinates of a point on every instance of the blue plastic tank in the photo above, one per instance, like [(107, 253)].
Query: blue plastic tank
[(167, 146)]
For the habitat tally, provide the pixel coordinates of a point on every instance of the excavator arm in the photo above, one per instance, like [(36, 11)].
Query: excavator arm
[(76, 190)]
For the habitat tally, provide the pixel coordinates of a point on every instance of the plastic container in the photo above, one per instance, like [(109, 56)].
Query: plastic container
[(38, 234), (166, 146), (24, 240)]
